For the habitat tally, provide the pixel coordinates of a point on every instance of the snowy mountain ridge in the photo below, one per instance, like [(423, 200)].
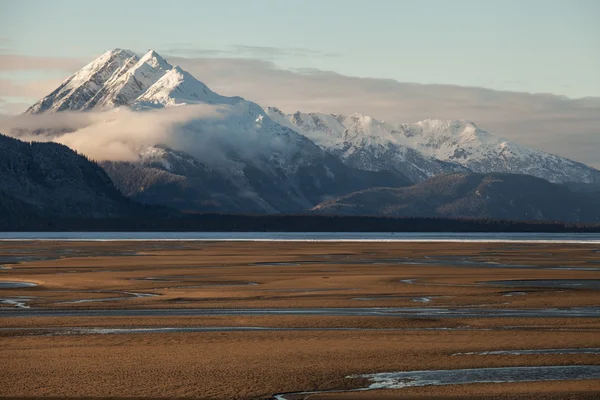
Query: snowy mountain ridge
[(449, 145)]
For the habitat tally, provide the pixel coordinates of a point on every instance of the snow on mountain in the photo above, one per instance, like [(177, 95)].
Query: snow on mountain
[(364, 143), (123, 88), (236, 160), (77, 90), (463, 143), (178, 87), (428, 147)]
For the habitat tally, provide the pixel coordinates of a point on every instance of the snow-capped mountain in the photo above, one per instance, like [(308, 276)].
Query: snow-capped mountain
[(228, 154), (462, 142), (237, 159), (365, 143), (428, 148)]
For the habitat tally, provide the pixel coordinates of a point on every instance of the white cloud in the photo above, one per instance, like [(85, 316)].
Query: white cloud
[(117, 135), (253, 52), (209, 132)]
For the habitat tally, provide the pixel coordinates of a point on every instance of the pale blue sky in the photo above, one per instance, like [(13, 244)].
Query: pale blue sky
[(527, 45)]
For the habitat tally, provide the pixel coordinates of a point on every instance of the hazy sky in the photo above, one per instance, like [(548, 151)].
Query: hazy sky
[(548, 46)]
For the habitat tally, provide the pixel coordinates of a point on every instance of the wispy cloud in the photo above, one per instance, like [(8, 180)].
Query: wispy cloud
[(19, 63), (245, 51), (27, 89)]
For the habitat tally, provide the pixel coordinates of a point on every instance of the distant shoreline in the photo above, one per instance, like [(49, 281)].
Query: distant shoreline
[(296, 223), (305, 237)]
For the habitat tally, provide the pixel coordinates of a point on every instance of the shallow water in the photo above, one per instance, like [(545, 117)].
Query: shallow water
[(467, 262), (59, 331), (404, 379), (275, 264), (307, 290), (512, 294), (157, 330), (17, 301), (16, 285), (422, 299), (131, 295), (410, 312), (120, 331), (393, 380), (382, 297), (550, 283), (592, 350)]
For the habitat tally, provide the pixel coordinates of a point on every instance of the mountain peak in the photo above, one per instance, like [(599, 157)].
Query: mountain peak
[(125, 52), (130, 82), (448, 127), (176, 87), (116, 58), (358, 115), (78, 89), (155, 60), (275, 111)]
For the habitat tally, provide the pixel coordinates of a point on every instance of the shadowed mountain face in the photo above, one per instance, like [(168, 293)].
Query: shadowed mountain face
[(471, 195), (49, 180), (189, 185)]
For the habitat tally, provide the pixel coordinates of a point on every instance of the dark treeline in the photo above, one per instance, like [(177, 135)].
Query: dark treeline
[(292, 223)]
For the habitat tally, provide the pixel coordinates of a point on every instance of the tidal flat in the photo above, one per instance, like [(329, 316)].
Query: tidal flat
[(288, 320)]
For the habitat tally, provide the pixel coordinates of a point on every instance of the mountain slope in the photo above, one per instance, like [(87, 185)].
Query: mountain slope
[(429, 147), (124, 87), (49, 180), (462, 142), (363, 143), (233, 159), (77, 90), (471, 195)]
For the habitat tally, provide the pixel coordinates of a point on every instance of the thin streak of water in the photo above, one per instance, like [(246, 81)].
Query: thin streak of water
[(589, 350), (415, 312), (404, 379), (16, 285)]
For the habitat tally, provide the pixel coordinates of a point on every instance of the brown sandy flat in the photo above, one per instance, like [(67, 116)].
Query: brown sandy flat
[(256, 365)]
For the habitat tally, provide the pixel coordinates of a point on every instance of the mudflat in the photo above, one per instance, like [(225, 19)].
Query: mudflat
[(255, 320)]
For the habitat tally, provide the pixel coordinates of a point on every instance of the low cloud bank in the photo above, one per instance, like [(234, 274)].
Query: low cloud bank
[(121, 134)]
